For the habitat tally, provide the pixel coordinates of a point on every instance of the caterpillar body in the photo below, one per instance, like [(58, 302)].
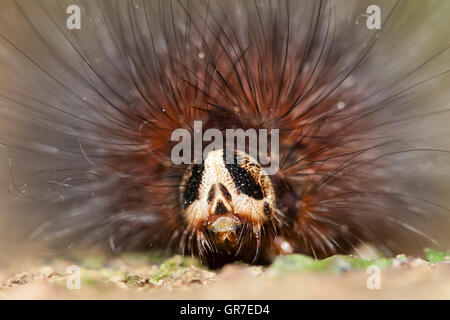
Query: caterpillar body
[(88, 114)]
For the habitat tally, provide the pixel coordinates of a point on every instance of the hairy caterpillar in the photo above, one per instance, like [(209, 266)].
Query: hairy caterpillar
[(87, 116)]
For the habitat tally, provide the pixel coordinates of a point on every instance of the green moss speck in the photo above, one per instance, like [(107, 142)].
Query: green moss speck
[(435, 256), (335, 264)]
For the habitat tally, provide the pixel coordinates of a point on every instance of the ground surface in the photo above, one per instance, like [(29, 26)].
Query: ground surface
[(143, 276)]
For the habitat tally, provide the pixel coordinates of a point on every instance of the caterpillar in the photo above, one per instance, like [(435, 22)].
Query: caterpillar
[(87, 117)]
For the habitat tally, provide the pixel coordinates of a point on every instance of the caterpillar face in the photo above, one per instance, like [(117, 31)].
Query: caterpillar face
[(222, 201)]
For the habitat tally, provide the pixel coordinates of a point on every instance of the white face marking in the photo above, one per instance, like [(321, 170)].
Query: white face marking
[(227, 195)]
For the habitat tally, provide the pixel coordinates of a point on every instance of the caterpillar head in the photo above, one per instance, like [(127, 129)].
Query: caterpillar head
[(228, 205)]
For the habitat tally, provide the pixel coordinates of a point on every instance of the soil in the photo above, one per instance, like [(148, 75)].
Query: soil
[(144, 276)]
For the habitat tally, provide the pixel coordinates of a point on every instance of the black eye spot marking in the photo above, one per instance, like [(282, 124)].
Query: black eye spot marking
[(211, 193), (220, 208), (225, 192), (243, 180), (192, 185), (267, 209)]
